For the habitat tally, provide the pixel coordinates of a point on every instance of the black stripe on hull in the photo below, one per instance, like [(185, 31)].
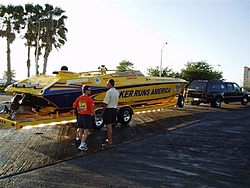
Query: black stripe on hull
[(147, 84)]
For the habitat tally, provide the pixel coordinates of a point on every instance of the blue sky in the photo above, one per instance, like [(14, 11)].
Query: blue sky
[(107, 32)]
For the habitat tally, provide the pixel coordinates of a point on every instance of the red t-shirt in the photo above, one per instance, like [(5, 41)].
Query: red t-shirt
[(84, 104)]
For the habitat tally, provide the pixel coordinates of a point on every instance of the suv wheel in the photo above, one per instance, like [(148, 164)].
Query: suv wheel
[(216, 103), (244, 100)]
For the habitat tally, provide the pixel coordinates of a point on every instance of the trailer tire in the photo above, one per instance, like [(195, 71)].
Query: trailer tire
[(117, 120), (125, 115), (180, 101), (98, 124)]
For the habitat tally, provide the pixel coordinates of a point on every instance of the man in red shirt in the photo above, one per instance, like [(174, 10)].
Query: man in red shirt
[(85, 109)]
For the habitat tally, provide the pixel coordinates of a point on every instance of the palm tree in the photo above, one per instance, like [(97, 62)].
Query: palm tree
[(13, 74), (11, 21), (125, 65), (53, 31), (32, 14), (45, 24)]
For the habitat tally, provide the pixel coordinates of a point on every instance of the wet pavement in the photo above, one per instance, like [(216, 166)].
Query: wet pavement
[(194, 146)]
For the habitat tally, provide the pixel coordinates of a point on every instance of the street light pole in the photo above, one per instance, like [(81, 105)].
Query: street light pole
[(161, 59)]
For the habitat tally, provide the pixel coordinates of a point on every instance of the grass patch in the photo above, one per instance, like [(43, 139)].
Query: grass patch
[(2, 88)]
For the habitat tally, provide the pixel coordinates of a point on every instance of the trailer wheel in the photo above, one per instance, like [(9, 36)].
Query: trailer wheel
[(125, 115), (117, 120), (99, 121), (180, 101)]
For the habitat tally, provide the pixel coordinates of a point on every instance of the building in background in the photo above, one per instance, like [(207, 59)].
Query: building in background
[(246, 78)]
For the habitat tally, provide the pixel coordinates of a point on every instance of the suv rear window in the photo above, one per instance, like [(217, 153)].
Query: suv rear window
[(197, 85)]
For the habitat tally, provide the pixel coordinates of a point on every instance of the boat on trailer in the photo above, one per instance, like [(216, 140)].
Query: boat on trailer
[(44, 99)]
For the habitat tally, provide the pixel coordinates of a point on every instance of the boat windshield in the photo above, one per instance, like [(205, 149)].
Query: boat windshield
[(128, 73), (139, 73), (125, 74)]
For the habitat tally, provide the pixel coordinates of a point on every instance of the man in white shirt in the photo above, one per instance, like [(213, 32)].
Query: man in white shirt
[(109, 112)]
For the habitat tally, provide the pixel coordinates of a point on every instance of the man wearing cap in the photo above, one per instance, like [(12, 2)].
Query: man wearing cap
[(109, 112)]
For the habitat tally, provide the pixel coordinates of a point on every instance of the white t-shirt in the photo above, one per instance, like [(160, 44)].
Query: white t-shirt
[(111, 98)]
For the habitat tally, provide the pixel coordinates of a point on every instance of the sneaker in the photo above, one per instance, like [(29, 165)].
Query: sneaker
[(83, 147), (78, 141)]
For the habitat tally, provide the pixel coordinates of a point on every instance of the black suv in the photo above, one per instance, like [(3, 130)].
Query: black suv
[(214, 92)]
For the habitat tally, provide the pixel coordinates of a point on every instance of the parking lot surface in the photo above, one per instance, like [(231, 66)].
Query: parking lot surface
[(194, 146)]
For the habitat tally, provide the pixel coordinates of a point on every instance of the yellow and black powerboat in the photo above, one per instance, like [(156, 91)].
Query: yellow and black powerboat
[(43, 99)]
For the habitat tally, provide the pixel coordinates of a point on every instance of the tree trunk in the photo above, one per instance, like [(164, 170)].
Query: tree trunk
[(28, 62), (8, 64), (8, 55), (46, 55), (45, 63)]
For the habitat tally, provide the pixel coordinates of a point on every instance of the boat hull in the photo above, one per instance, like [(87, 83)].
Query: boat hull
[(45, 98), (128, 94)]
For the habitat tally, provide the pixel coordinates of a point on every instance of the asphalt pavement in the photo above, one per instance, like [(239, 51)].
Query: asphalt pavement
[(199, 147)]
